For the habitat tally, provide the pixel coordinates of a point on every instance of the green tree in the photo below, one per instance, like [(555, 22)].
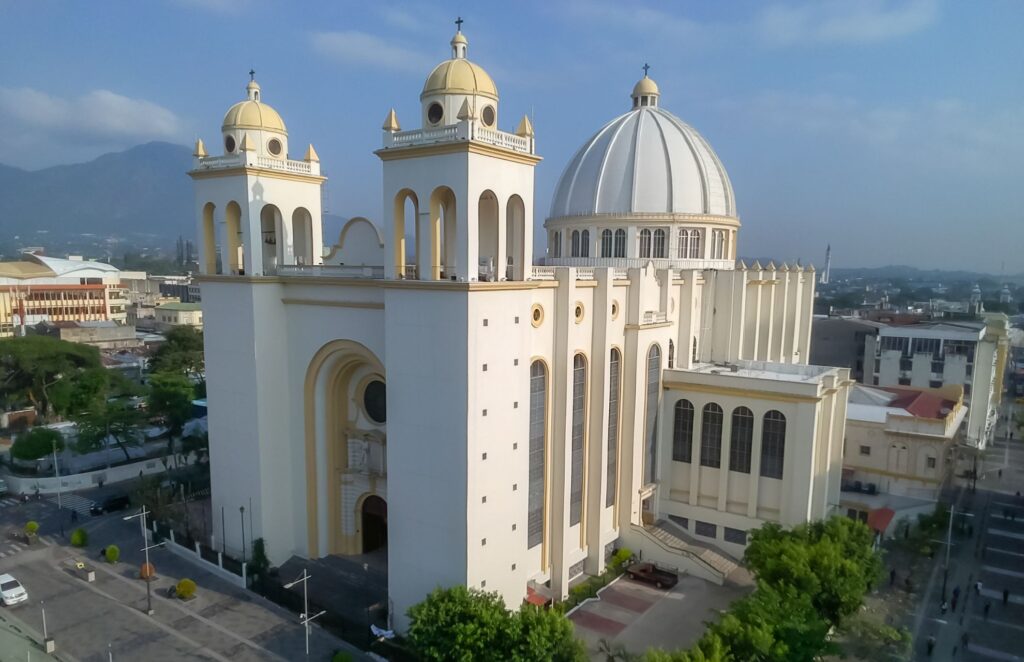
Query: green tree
[(49, 374), (117, 420), (545, 634), (182, 353), (36, 443), (710, 648), (170, 398)]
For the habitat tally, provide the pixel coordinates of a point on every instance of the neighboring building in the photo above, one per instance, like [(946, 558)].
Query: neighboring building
[(104, 334), (1005, 296), (170, 315), (496, 424), (182, 289), (846, 342), (48, 289), (900, 448)]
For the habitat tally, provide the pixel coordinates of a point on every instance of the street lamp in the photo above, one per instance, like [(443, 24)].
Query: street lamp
[(56, 473), (241, 515), (304, 618), (145, 548)]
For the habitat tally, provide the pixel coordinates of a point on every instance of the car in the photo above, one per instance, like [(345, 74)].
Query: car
[(652, 574), (111, 504), (11, 590)]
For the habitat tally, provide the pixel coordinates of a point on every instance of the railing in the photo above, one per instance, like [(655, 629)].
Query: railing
[(331, 271), (502, 139), (585, 273), (542, 273), (638, 263), (464, 130), (424, 136), (653, 317), (249, 159), (288, 165)]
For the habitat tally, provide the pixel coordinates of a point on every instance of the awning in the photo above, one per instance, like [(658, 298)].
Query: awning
[(879, 519), (535, 598)]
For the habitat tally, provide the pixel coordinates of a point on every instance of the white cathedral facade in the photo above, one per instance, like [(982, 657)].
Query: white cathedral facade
[(421, 384)]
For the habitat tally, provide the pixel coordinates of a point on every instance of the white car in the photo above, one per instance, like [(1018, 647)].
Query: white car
[(11, 591)]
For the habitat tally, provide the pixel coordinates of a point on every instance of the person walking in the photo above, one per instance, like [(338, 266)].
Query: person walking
[(930, 645), (952, 604), (892, 576), (943, 607), (964, 639), (988, 605), (1006, 596), (977, 588)]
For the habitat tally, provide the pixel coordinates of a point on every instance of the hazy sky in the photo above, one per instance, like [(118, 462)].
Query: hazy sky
[(893, 130)]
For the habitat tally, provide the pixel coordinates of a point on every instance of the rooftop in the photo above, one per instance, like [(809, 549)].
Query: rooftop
[(874, 404), (787, 372), (182, 307)]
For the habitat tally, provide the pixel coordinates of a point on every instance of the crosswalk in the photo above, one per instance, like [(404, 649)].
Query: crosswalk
[(11, 547), (7, 502), (79, 504)]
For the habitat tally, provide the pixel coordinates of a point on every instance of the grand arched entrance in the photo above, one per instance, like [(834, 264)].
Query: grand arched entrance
[(374, 523)]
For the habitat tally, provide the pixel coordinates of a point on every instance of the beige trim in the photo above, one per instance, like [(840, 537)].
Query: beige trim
[(255, 172), (725, 390), (641, 218), (535, 321), (334, 304), (893, 474), (579, 311), (461, 147), (442, 285), (545, 562), (615, 310), (656, 325), (618, 440)]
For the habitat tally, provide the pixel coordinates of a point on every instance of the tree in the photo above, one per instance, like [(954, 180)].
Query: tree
[(468, 625), (170, 398), (117, 420), (50, 374), (198, 443), (36, 443), (182, 353)]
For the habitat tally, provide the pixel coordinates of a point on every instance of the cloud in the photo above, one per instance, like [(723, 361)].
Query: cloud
[(354, 47), (96, 114), (637, 18), (844, 21)]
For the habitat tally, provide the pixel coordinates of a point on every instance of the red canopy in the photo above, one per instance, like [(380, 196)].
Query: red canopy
[(880, 518)]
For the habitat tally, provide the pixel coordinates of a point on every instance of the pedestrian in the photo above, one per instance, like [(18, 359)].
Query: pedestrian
[(956, 591), (1018, 494), (930, 645), (1006, 596), (977, 588), (74, 516), (892, 576), (907, 585), (988, 605), (1000, 473), (970, 530), (953, 604), (954, 650), (943, 607)]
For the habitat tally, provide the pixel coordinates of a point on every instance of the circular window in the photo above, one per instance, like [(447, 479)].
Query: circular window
[(375, 401), (229, 144), (615, 309), (274, 146), (536, 315), (488, 116), (434, 113), (578, 312)]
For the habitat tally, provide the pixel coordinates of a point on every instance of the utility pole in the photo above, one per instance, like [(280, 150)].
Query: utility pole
[(145, 548), (241, 516), (56, 473), (949, 543), (304, 618)]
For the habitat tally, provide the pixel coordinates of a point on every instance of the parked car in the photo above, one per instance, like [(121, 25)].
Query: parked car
[(652, 574), (11, 590), (111, 504)]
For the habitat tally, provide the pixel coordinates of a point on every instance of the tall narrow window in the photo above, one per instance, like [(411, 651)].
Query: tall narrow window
[(671, 354), (695, 349), (742, 440), (773, 444), (683, 247), (585, 243), (575, 243), (645, 243), (538, 433), (579, 413), (711, 436), (606, 243), (613, 425), (659, 243), (620, 243), (695, 244), (556, 243), (653, 391), (682, 432)]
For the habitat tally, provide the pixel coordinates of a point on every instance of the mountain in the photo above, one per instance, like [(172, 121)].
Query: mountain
[(142, 190)]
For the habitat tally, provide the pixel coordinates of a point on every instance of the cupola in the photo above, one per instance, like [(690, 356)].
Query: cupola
[(253, 122), (645, 92), (456, 85)]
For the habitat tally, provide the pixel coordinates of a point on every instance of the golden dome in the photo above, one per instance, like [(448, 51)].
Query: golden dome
[(646, 87), (459, 76), (253, 113)]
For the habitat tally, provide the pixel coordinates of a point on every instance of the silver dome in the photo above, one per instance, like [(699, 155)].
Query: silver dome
[(645, 161)]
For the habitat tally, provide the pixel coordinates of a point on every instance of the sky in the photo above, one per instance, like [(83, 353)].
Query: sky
[(892, 130)]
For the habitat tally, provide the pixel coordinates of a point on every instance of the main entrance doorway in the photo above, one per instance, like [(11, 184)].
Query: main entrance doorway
[(375, 523)]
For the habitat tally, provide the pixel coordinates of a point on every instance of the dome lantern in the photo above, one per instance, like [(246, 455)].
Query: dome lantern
[(454, 82), (645, 92)]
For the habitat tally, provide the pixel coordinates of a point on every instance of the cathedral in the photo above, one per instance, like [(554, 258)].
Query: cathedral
[(421, 387)]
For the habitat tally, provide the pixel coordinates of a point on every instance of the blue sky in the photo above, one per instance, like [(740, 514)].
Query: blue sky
[(893, 130)]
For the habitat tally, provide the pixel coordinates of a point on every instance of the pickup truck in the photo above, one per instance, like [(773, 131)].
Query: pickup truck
[(652, 574)]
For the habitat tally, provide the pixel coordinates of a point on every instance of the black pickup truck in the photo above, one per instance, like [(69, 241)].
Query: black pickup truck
[(652, 574)]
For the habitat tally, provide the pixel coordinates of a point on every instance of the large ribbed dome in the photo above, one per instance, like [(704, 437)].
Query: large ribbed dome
[(646, 161)]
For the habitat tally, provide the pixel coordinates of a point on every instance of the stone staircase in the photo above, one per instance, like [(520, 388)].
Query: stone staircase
[(669, 534), (666, 544)]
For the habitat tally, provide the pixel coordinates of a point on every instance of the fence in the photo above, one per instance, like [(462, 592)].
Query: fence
[(204, 556)]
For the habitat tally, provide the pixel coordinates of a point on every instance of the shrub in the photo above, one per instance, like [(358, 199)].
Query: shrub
[(79, 538), (112, 553), (36, 443), (31, 527), (186, 589), (342, 656), (620, 558)]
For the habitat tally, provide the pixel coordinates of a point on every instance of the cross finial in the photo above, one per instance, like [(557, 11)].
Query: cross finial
[(646, 67), (252, 74), (458, 23)]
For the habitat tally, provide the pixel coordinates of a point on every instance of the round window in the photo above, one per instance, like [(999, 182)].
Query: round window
[(229, 144), (615, 309), (488, 116), (274, 146), (536, 315), (578, 312), (375, 401), (434, 113)]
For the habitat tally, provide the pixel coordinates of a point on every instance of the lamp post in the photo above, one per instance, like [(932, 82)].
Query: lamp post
[(949, 543), (304, 618), (48, 644), (145, 548), (241, 516), (56, 473)]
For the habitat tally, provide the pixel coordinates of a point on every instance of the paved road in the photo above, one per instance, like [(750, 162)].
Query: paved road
[(223, 623), (994, 556)]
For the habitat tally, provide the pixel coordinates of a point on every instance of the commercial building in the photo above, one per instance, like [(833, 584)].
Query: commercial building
[(170, 315)]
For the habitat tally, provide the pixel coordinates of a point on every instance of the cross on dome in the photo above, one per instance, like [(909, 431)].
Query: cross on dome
[(458, 24), (252, 75), (645, 68), (459, 41)]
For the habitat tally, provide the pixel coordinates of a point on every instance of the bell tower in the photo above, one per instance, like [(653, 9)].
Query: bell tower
[(458, 189), (257, 209)]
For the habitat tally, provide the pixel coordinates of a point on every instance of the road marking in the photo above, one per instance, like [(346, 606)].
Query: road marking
[(993, 621), (992, 653), (1003, 551), (1008, 534), (1002, 571), (996, 595), (79, 504)]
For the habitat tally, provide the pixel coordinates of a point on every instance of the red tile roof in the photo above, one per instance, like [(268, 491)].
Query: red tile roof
[(923, 404)]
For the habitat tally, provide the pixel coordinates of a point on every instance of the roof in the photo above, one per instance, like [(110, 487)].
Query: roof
[(23, 269), (42, 266), (878, 520), (875, 403), (252, 113), (644, 161), (183, 307), (459, 75)]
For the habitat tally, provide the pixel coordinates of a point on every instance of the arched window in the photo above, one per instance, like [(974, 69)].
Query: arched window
[(585, 243), (742, 440), (682, 432), (579, 417), (653, 391), (695, 349), (620, 243), (614, 365), (773, 444), (538, 434), (606, 243), (695, 244), (683, 244), (671, 354), (659, 243), (575, 243), (645, 243), (711, 436), (556, 244)]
